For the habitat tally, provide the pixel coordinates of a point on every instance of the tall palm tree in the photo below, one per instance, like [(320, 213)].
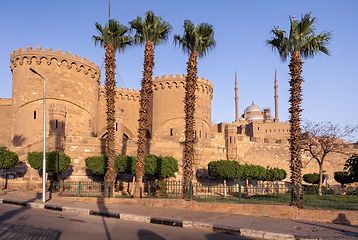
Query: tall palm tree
[(197, 40), (301, 42), (151, 31), (112, 38)]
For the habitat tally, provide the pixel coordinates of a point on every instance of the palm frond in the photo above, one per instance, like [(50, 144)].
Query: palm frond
[(113, 33), (199, 38), (152, 28), (301, 38)]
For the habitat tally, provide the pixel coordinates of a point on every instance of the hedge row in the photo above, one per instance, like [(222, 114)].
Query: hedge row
[(157, 166), (227, 169)]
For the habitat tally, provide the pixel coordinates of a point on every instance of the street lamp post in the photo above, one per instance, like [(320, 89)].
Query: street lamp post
[(44, 151)]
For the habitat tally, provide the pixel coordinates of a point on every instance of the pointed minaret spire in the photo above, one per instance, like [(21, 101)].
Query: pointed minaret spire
[(236, 100), (109, 10), (276, 99)]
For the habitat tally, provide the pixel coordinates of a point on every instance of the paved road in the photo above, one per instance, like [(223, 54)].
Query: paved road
[(25, 223)]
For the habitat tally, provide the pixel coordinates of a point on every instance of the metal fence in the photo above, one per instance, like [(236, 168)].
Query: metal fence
[(267, 193), (81, 189)]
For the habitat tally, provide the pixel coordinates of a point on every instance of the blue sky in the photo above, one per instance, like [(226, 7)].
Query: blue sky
[(241, 28)]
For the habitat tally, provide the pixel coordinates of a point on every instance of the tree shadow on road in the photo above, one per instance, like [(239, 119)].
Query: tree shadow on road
[(18, 230), (148, 235), (346, 231), (103, 208)]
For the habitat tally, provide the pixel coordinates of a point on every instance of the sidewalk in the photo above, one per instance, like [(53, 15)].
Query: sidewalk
[(248, 226)]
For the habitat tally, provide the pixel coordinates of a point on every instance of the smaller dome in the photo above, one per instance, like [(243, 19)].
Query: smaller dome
[(255, 117), (253, 108)]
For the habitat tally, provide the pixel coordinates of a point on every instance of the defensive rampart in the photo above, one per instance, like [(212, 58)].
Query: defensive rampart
[(71, 83), (167, 115)]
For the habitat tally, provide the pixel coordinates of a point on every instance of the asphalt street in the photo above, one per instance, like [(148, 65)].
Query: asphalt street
[(18, 222)]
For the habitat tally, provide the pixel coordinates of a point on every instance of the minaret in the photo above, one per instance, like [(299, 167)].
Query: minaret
[(276, 99), (236, 100)]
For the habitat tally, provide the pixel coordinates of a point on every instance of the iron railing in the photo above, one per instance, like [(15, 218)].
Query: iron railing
[(82, 189), (269, 193)]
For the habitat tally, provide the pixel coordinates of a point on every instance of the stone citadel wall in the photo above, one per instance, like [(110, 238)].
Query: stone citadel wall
[(76, 119), (5, 120)]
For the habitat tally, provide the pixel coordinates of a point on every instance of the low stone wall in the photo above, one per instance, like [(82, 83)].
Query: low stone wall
[(275, 211)]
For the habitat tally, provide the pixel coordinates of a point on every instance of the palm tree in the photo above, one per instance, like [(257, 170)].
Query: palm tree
[(113, 38), (196, 41), (301, 42), (151, 31)]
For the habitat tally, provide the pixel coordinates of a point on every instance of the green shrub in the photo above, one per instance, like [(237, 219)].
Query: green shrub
[(343, 178), (253, 172), (97, 164), (125, 164), (275, 174), (225, 169), (166, 167), (8, 159), (35, 160), (55, 161), (313, 178), (150, 165), (160, 167)]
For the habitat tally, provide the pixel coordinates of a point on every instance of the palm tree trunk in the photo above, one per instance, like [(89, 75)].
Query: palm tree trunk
[(110, 84), (145, 94), (295, 111), (189, 109)]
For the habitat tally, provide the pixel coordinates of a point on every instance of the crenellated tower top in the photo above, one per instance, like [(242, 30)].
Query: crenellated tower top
[(36, 56), (178, 81)]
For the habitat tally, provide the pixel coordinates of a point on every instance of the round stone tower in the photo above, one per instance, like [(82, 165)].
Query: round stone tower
[(167, 115), (71, 95)]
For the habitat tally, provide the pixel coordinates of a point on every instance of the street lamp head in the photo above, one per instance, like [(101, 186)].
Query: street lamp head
[(34, 71)]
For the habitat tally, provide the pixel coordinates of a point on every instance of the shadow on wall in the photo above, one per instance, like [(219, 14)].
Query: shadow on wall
[(94, 177), (60, 176), (103, 145), (202, 173), (6, 176), (18, 171), (124, 145), (18, 140)]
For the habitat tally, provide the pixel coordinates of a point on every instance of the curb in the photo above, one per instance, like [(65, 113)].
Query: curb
[(162, 221)]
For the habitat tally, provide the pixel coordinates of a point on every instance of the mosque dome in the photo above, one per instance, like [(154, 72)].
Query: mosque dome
[(255, 117), (253, 108)]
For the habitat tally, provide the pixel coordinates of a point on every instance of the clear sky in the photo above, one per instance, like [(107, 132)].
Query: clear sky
[(241, 28)]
